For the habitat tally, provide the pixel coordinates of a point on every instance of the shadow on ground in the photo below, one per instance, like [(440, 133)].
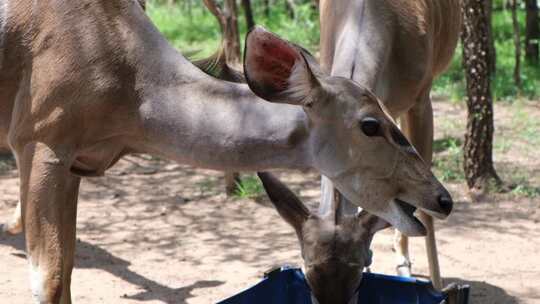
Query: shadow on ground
[(484, 293), (92, 256)]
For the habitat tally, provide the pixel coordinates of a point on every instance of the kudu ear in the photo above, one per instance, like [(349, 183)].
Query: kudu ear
[(372, 222), (288, 205), (277, 70)]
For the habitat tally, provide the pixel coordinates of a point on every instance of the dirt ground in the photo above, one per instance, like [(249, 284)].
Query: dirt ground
[(155, 232)]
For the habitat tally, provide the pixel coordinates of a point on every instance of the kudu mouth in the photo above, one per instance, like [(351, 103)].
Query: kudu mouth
[(413, 226), (410, 224)]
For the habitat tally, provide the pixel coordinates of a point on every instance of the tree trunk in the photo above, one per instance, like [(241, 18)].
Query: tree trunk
[(492, 55), (517, 44), (227, 19), (248, 12), (532, 32), (231, 36), (290, 6), (267, 8), (478, 161)]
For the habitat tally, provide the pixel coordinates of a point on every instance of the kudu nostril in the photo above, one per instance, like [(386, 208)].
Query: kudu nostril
[(446, 203)]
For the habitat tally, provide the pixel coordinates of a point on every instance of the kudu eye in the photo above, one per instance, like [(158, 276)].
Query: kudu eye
[(370, 126)]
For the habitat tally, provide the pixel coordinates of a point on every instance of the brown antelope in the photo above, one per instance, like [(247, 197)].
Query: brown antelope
[(334, 245), (83, 83), (395, 48)]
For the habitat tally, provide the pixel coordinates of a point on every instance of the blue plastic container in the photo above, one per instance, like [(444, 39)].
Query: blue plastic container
[(288, 286)]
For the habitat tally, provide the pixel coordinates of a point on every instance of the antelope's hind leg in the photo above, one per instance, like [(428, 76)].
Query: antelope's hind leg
[(49, 207)]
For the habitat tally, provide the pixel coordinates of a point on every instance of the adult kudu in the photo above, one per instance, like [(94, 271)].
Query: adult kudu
[(395, 48), (83, 83)]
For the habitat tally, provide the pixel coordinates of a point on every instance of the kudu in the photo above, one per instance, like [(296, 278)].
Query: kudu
[(83, 83), (395, 48), (334, 245)]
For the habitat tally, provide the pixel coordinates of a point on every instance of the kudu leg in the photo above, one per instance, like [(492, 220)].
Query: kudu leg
[(14, 225), (231, 182), (49, 207), (417, 125), (401, 249)]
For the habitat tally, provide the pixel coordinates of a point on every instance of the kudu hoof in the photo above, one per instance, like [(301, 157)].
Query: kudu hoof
[(10, 228), (404, 270)]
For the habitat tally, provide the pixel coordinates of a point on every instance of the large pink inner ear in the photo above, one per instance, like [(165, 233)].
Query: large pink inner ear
[(268, 63)]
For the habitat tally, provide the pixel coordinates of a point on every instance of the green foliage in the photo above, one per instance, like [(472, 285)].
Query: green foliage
[(195, 30), (303, 30), (526, 190), (249, 187), (452, 82), (190, 30)]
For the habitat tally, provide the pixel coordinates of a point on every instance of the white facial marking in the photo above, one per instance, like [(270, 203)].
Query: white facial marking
[(36, 284)]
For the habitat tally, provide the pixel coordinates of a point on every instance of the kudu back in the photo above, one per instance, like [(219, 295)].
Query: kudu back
[(395, 48), (83, 83), (334, 245)]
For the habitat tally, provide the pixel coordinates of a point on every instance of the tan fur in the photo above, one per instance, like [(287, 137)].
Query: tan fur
[(395, 48), (85, 82)]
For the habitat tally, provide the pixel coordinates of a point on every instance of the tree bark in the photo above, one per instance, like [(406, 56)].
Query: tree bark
[(517, 44), (492, 56), (532, 32), (227, 19), (267, 8), (478, 161), (248, 12), (290, 6)]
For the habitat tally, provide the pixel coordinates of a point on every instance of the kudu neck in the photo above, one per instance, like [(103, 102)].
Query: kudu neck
[(196, 119), (355, 42)]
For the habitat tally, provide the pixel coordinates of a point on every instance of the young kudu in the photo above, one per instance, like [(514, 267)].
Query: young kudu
[(395, 48), (83, 83), (334, 245)]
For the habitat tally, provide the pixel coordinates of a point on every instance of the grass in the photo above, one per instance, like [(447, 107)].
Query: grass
[(526, 125), (249, 187), (448, 159), (526, 190)]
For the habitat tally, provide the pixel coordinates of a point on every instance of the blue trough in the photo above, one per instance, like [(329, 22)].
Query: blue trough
[(288, 286)]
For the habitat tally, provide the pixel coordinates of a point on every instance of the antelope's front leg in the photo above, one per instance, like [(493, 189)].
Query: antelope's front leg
[(14, 225), (418, 126), (49, 207)]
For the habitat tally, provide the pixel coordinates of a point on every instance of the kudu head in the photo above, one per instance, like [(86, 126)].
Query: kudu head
[(352, 139), (335, 246)]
